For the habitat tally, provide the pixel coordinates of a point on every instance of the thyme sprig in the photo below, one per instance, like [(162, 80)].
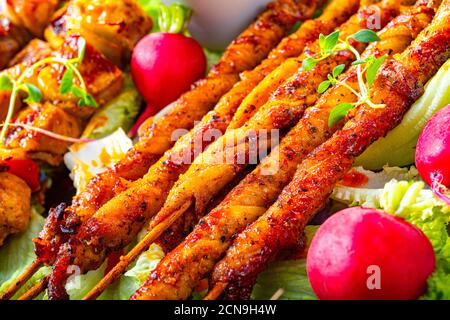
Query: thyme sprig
[(366, 70), (34, 94)]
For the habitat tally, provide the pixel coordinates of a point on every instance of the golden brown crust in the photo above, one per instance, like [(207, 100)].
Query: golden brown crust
[(195, 257), (399, 83), (120, 226), (218, 165), (145, 197), (244, 53)]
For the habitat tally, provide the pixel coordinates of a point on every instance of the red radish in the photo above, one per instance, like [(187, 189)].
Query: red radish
[(164, 66), (433, 153), (362, 254)]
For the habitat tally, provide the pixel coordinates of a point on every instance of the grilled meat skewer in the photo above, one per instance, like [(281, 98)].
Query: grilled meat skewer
[(244, 53), (116, 226), (195, 257), (159, 180), (399, 83), (219, 164)]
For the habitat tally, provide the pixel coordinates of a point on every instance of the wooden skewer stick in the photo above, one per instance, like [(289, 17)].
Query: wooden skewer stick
[(121, 267), (34, 291), (21, 280), (216, 291)]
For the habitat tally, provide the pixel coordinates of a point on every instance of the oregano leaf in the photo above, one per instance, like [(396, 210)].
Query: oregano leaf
[(324, 86), (331, 41), (34, 94), (77, 92), (339, 112), (5, 83), (366, 36), (372, 70), (322, 41), (66, 81), (309, 63), (90, 101), (338, 70)]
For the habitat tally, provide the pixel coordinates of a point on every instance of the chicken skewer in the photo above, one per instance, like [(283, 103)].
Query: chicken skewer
[(266, 31), (399, 83), (219, 164), (108, 217), (164, 174), (245, 52), (272, 113), (196, 256)]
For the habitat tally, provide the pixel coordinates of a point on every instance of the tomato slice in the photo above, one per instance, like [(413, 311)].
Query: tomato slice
[(27, 170)]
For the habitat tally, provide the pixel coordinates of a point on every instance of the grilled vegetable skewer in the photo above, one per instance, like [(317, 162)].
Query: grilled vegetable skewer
[(398, 84), (252, 197)]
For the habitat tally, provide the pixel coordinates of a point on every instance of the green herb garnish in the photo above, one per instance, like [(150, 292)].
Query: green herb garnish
[(368, 67), (34, 95)]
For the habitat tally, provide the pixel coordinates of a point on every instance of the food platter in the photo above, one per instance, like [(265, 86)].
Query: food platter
[(235, 150)]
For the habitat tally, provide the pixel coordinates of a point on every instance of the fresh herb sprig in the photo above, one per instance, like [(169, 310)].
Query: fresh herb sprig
[(34, 94), (332, 43), (366, 70)]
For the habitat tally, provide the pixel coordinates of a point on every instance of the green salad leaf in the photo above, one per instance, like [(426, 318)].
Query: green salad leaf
[(122, 289), (17, 254)]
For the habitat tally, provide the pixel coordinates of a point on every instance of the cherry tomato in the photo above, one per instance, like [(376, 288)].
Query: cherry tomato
[(27, 170)]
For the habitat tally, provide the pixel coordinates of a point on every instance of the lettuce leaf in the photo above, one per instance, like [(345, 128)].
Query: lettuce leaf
[(78, 286), (18, 253), (151, 7)]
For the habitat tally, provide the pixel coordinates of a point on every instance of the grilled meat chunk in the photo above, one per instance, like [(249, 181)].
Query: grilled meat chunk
[(112, 27), (15, 196)]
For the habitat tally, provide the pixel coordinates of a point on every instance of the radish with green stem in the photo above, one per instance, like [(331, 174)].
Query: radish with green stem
[(433, 154), (164, 65)]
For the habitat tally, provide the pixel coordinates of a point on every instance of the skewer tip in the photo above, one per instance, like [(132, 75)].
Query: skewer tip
[(21, 280), (216, 291)]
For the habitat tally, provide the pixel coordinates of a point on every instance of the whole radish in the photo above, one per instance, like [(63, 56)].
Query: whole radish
[(433, 153), (164, 65), (365, 254)]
